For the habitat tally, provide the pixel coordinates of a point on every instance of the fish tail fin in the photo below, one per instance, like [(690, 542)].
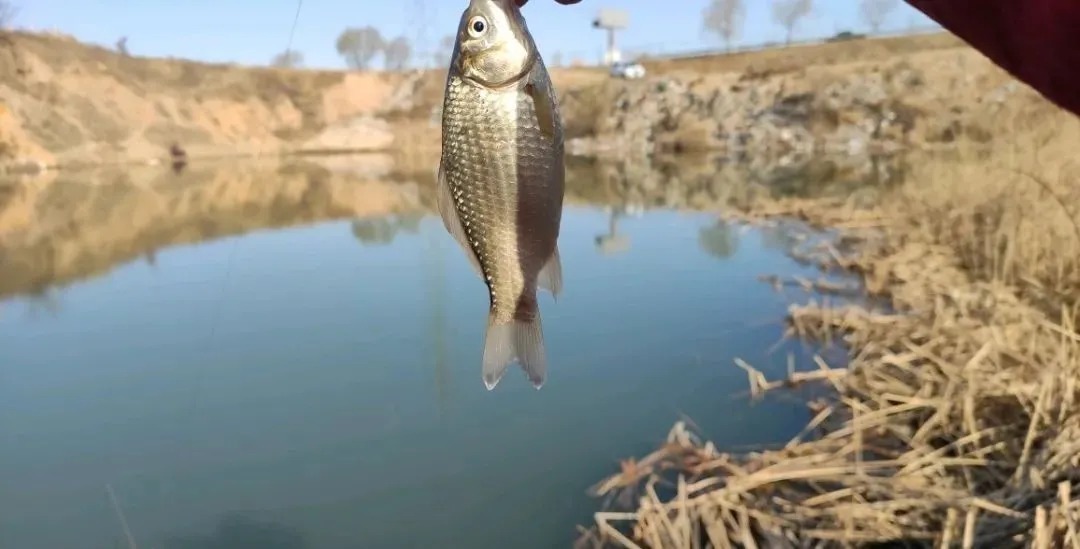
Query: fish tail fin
[(522, 340)]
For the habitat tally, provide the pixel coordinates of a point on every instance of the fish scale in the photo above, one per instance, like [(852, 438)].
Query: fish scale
[(481, 147), (501, 178)]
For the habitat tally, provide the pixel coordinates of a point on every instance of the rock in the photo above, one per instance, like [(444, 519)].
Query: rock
[(848, 112), (690, 134)]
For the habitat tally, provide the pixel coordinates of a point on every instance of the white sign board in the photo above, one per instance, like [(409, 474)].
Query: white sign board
[(612, 19)]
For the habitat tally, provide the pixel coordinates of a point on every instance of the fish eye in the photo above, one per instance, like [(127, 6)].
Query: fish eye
[(478, 25)]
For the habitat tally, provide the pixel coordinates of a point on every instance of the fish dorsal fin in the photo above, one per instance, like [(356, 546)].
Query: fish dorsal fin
[(544, 106), (450, 218)]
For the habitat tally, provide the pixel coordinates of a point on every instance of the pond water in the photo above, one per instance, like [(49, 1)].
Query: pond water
[(287, 356)]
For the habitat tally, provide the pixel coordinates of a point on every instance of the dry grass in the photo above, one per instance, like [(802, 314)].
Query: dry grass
[(956, 421), (1012, 217)]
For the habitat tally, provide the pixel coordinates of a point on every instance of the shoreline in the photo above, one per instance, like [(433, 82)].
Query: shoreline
[(603, 155), (957, 418)]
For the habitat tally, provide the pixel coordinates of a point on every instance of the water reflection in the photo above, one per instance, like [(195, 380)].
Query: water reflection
[(383, 229), (720, 240), (324, 374), (780, 237), (43, 302), (81, 225), (436, 284), (613, 243), (237, 531)]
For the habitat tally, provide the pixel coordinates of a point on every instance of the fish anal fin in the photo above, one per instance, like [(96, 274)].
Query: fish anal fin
[(450, 218), (520, 340), (550, 277)]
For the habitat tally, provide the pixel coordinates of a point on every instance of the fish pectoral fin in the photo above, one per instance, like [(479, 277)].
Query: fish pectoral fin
[(521, 340), (545, 109), (550, 277), (450, 218)]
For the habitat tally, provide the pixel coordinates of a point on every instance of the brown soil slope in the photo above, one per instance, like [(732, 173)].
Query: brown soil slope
[(66, 102)]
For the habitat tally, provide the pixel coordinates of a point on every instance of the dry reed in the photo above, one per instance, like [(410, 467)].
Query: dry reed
[(957, 419)]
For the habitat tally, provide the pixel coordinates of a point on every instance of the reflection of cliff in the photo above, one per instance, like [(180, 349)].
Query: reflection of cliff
[(703, 183), (82, 225)]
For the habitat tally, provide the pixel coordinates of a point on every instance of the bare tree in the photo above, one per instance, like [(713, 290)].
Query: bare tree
[(396, 53), (875, 12), (121, 46), (788, 13), (557, 59), (288, 59), (724, 18), (8, 11), (360, 46)]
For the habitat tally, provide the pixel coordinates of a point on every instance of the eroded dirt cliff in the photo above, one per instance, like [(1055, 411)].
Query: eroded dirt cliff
[(63, 102)]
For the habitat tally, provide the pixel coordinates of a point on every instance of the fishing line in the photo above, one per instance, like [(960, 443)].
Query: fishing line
[(288, 52), (292, 31), (199, 377)]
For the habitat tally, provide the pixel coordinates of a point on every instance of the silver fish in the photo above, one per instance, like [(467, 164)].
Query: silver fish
[(501, 178)]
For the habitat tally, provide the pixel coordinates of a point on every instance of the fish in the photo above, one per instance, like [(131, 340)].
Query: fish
[(501, 179)]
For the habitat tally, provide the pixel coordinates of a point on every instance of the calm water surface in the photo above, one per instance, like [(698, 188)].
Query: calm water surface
[(290, 357)]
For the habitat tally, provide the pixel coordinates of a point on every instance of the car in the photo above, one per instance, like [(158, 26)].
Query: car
[(624, 69)]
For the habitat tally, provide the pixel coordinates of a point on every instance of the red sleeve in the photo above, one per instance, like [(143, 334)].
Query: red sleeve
[(1038, 41)]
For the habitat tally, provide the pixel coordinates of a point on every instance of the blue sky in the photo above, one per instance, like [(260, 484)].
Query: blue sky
[(252, 31)]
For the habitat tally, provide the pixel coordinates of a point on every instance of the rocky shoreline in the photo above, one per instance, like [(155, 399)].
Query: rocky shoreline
[(869, 108)]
